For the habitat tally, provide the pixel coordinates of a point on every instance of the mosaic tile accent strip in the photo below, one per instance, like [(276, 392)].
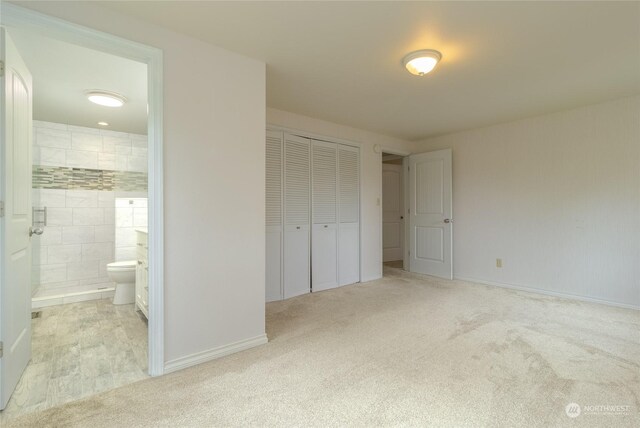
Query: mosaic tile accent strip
[(59, 177)]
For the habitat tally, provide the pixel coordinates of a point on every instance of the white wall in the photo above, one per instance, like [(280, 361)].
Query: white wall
[(557, 197), (214, 133), (371, 178)]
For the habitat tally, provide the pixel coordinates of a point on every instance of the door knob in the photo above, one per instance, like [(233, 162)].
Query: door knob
[(448, 220), (401, 217), (35, 231)]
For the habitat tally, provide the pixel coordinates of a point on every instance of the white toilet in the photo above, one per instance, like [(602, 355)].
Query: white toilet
[(124, 275)]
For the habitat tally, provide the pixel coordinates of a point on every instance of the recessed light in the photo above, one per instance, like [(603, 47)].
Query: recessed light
[(106, 98), (103, 124), (421, 62)]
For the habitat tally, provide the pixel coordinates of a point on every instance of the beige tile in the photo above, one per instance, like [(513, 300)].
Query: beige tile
[(67, 388), (59, 216), (64, 253), (78, 350), (88, 216), (57, 138), (98, 384), (82, 198), (86, 142)]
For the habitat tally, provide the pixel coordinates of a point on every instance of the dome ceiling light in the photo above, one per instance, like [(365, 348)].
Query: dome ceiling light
[(106, 98), (421, 62)]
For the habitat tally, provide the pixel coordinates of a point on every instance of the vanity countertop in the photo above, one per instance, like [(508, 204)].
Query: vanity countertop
[(142, 230)]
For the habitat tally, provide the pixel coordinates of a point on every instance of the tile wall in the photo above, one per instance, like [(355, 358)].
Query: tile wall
[(131, 214), (77, 174)]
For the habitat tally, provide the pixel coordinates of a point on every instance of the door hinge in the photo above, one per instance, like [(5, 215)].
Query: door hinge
[(1, 68), (1, 348), (1, 208)]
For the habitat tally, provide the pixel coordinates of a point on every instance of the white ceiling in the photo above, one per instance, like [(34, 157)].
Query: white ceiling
[(341, 61), (63, 72)]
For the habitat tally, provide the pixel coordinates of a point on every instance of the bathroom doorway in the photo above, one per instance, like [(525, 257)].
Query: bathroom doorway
[(94, 211)]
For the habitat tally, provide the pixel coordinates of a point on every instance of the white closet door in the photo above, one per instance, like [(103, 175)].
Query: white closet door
[(273, 271), (348, 214), (297, 167), (324, 235)]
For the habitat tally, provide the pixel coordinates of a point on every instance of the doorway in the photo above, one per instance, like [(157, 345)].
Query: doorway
[(393, 210), (417, 212), (94, 207)]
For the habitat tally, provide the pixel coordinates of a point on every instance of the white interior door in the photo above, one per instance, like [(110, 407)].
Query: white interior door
[(392, 213), (273, 250), (324, 233), (297, 177), (430, 213), (15, 262)]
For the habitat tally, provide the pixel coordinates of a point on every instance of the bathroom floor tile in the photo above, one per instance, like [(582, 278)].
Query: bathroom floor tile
[(80, 349)]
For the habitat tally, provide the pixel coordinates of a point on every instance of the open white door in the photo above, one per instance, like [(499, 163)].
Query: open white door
[(15, 221), (430, 214)]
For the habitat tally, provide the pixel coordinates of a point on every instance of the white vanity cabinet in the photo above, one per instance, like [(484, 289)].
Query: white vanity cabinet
[(142, 273)]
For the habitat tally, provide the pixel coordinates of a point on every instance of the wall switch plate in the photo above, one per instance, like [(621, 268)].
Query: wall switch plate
[(498, 263)]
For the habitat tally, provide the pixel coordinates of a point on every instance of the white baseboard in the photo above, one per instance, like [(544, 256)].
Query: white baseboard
[(548, 293), (212, 354)]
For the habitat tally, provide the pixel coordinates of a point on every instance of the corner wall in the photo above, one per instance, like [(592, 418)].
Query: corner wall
[(557, 197), (370, 183)]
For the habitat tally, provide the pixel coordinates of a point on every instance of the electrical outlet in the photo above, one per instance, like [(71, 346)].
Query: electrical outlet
[(498, 263)]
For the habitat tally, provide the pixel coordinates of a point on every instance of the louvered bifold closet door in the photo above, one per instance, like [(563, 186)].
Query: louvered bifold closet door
[(348, 214), (274, 238), (297, 210), (324, 205)]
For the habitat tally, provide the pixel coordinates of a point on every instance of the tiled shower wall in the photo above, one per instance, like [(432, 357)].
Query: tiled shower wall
[(77, 174), (131, 214)]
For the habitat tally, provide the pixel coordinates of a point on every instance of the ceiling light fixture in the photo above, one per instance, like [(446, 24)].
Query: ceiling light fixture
[(106, 98), (103, 124), (421, 62)]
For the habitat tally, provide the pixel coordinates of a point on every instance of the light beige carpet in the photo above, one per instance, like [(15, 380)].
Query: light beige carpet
[(403, 350)]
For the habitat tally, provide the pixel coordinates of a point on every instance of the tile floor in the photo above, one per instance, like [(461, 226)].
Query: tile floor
[(78, 350)]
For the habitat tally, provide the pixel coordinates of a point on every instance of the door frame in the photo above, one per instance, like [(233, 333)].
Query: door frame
[(18, 17), (405, 184), (398, 170)]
